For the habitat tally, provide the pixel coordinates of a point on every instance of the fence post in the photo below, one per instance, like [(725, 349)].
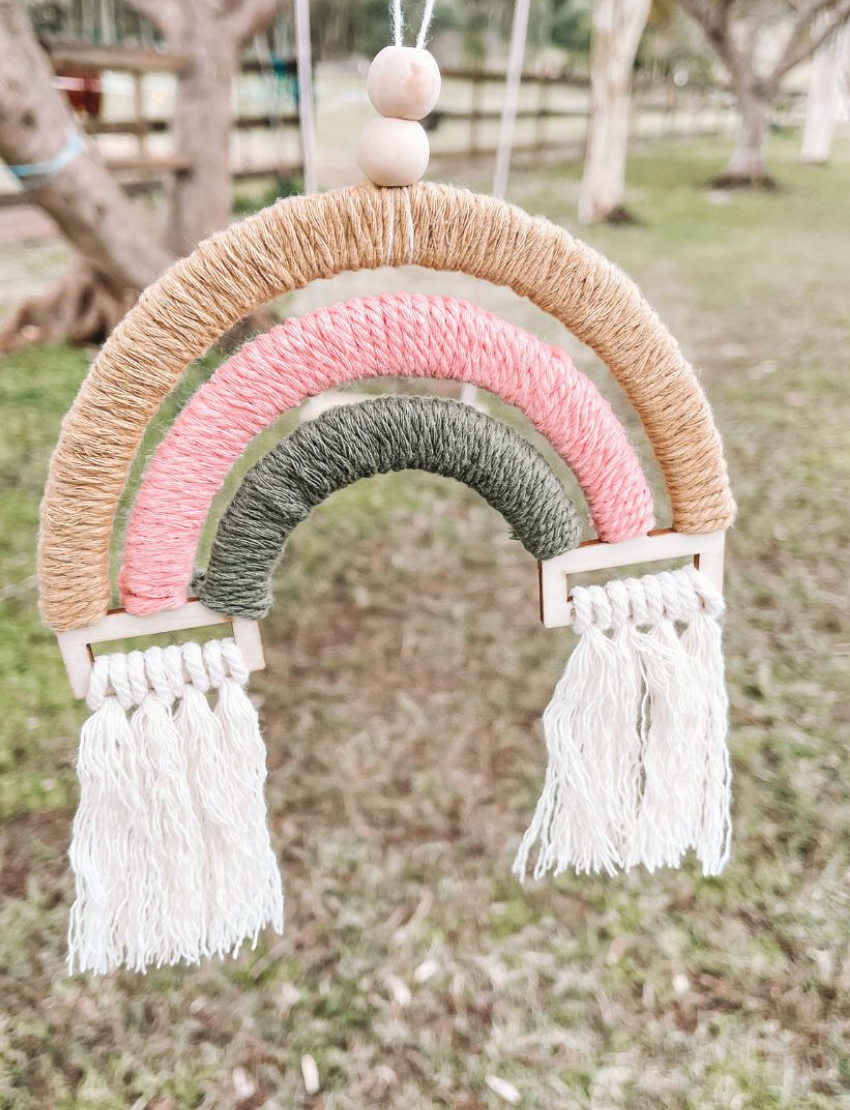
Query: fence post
[(540, 128), (139, 112), (475, 114)]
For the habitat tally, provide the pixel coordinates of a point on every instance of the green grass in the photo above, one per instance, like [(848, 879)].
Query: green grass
[(406, 675)]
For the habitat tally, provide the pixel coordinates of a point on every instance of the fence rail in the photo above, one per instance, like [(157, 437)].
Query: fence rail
[(661, 109)]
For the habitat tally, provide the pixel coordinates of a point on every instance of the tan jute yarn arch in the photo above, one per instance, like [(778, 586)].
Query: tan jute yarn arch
[(302, 239)]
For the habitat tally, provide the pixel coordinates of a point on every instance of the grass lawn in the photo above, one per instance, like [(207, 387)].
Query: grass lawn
[(407, 673)]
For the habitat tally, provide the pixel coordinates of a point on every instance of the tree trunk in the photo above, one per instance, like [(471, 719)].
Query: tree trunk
[(208, 34), (738, 35), (80, 308), (121, 252), (202, 199), (824, 96), (748, 164), (617, 29)]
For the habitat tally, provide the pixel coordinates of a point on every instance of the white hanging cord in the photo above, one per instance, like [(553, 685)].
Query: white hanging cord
[(304, 61), (427, 16), (519, 31), (424, 27)]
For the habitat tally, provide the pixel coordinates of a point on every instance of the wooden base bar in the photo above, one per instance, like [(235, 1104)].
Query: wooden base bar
[(556, 608), (118, 624)]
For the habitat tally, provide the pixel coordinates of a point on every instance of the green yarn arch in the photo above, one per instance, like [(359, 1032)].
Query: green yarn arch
[(356, 441)]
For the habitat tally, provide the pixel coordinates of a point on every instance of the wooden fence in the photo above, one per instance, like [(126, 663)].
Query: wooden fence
[(77, 62), (661, 109)]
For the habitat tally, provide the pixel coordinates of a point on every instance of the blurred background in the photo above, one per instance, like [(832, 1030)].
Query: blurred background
[(705, 147)]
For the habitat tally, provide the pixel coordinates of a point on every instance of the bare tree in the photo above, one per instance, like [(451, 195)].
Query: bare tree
[(616, 33), (737, 30), (120, 251), (830, 81), (207, 34)]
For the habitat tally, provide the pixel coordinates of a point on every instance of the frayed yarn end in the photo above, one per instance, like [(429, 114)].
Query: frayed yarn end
[(170, 849), (638, 769)]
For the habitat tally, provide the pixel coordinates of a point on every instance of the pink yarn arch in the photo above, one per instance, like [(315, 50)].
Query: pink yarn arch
[(399, 334)]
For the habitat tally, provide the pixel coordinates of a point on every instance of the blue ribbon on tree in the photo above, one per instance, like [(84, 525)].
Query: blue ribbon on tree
[(35, 174)]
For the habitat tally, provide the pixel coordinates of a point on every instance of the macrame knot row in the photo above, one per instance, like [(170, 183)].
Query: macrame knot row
[(165, 672), (671, 595)]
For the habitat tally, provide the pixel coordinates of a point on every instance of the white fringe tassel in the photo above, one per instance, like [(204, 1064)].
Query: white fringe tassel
[(170, 849), (638, 770)]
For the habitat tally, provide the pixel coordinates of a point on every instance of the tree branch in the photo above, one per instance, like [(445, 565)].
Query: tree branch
[(166, 15), (758, 17), (713, 16), (803, 42), (249, 17)]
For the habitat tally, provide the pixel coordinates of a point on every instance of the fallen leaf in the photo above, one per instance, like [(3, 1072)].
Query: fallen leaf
[(426, 970), (310, 1075), (503, 1089), (399, 990), (244, 1086), (681, 984)]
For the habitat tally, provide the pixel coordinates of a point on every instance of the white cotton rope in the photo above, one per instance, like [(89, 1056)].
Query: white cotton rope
[(638, 768), (424, 26), (170, 847)]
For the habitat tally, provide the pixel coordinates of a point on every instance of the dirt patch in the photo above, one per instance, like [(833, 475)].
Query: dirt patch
[(36, 841)]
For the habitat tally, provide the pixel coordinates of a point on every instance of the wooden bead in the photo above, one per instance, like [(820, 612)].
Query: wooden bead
[(393, 151), (403, 82)]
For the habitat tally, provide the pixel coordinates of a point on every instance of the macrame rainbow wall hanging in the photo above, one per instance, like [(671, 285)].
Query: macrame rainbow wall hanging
[(171, 849)]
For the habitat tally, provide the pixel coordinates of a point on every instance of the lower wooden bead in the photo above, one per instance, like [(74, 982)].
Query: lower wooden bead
[(393, 152)]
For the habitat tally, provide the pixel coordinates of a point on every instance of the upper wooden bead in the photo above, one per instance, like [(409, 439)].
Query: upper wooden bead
[(403, 82)]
